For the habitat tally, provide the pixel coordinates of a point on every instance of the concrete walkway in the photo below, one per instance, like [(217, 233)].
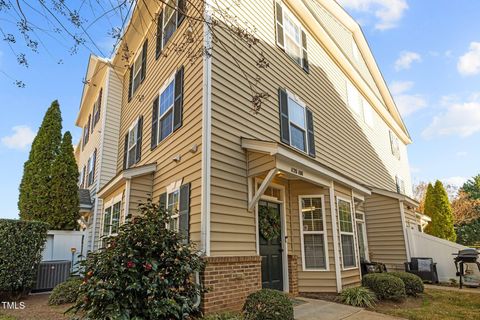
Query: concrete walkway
[(314, 309)]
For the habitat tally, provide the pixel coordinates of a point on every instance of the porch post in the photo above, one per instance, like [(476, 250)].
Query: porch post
[(336, 247)]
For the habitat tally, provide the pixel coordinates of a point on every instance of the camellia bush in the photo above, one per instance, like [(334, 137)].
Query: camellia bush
[(145, 272), (21, 246)]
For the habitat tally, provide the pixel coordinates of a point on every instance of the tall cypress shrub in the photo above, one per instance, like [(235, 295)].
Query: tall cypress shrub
[(65, 201), (439, 209), (35, 199)]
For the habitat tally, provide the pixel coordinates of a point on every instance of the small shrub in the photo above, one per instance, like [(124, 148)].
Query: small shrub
[(413, 283), (358, 297), (224, 316), (65, 292), (268, 304), (385, 286), (21, 245), (146, 271)]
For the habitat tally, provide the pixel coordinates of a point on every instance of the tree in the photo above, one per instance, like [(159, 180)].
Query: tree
[(64, 187), (427, 201), (146, 271), (465, 209), (35, 198), (472, 187), (419, 194), (468, 234), (437, 207)]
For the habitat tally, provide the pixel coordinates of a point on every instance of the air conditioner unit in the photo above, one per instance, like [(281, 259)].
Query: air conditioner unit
[(51, 273)]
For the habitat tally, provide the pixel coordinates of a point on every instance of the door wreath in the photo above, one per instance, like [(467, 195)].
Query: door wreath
[(269, 223)]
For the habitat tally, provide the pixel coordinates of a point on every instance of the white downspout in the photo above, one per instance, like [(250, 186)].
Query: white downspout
[(336, 247), (404, 229)]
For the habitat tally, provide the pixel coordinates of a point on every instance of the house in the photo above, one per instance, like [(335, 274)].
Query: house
[(292, 197), (96, 152)]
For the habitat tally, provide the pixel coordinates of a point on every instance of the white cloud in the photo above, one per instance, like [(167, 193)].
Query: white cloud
[(459, 119), (21, 138), (469, 63), (406, 59), (461, 154), (406, 103), (454, 181), (388, 12), (399, 87)]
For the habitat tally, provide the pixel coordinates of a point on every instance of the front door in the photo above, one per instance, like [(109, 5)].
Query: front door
[(271, 251)]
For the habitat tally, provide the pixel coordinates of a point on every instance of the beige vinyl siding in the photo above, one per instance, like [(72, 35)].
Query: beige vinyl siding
[(410, 216), (181, 142), (386, 242), (140, 191), (344, 39)]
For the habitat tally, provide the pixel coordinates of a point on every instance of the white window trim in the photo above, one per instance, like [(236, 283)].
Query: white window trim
[(324, 233), (286, 12), (174, 16), (160, 117), (174, 215), (137, 55), (295, 98), (363, 222), (132, 127), (110, 204), (90, 169), (352, 214)]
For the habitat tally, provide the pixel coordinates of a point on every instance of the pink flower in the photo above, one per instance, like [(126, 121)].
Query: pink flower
[(147, 266), (130, 264)]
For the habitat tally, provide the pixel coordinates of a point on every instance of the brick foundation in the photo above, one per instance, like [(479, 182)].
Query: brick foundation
[(293, 275), (228, 281)]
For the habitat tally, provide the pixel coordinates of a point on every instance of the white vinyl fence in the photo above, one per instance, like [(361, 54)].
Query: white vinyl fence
[(425, 245), (60, 244)]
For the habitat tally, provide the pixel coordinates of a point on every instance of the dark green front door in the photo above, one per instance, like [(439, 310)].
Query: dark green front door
[(271, 253)]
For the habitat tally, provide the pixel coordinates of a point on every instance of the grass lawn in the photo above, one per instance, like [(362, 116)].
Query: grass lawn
[(435, 304)]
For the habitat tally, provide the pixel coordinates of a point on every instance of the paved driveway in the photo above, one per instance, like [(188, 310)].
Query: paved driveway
[(314, 309)]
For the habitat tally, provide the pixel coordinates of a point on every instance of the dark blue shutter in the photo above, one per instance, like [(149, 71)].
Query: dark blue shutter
[(310, 133), (138, 154), (125, 152), (153, 143), (99, 105), (143, 72), (304, 50), (158, 48), (130, 84), (279, 24), (284, 120), (178, 106), (181, 12), (163, 201), (184, 211)]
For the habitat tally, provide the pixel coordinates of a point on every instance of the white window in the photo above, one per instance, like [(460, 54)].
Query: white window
[(132, 144), (353, 97), (368, 113), (165, 109), (111, 218), (173, 208), (362, 236), (394, 145), (91, 169), (400, 184), (347, 234), (298, 123), (172, 18), (290, 36), (313, 233)]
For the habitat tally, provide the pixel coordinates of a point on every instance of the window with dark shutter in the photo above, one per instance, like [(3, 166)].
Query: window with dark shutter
[(172, 19), (158, 48), (130, 85), (181, 12), (138, 155), (89, 125), (279, 25), (310, 133), (284, 122), (184, 212), (163, 201), (178, 105), (98, 106), (144, 60), (154, 140)]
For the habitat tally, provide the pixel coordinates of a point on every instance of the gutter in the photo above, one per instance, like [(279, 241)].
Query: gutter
[(336, 247)]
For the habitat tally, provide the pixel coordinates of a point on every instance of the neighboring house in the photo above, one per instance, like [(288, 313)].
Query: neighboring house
[(325, 157), (96, 152)]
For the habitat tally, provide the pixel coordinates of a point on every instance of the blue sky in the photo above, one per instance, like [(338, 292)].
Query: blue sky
[(427, 50)]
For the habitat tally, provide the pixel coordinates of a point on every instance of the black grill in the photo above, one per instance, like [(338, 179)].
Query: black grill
[(469, 255)]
